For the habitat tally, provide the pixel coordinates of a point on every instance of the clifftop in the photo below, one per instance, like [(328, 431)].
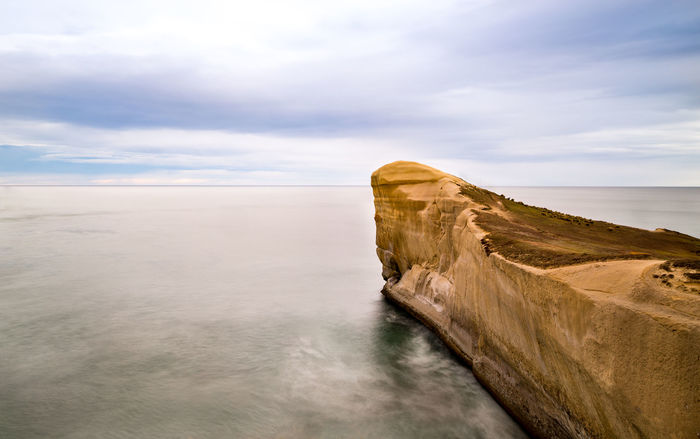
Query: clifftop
[(403, 172), (544, 238)]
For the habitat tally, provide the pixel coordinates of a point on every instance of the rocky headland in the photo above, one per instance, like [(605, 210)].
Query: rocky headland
[(579, 328)]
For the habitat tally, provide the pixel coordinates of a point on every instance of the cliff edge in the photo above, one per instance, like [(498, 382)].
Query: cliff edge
[(580, 328)]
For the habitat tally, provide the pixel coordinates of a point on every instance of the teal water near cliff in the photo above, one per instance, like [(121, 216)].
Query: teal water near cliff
[(249, 312)]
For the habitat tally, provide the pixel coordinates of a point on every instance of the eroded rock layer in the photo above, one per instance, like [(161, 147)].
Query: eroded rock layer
[(571, 348)]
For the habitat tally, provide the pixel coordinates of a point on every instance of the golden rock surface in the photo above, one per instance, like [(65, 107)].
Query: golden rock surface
[(601, 349)]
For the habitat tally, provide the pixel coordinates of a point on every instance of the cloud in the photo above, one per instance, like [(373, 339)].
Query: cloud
[(326, 91), (254, 158)]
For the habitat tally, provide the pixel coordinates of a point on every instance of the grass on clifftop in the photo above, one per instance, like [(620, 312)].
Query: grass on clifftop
[(544, 238)]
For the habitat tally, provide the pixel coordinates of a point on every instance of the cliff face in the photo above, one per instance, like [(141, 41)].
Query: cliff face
[(609, 348)]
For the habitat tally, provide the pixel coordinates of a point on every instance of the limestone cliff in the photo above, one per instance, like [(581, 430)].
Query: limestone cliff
[(579, 328)]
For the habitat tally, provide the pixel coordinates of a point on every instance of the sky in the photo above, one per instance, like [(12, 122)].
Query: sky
[(542, 92)]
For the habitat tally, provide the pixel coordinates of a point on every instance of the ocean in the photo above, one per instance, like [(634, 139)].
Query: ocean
[(237, 312)]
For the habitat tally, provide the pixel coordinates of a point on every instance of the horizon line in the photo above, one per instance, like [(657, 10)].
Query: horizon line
[(319, 185)]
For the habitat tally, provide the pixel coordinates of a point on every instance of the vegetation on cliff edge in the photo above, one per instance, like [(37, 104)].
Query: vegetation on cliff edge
[(544, 238)]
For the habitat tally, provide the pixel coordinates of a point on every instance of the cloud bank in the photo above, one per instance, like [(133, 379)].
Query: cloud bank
[(313, 92)]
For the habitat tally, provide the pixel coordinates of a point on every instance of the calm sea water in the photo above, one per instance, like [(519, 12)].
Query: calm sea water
[(207, 312)]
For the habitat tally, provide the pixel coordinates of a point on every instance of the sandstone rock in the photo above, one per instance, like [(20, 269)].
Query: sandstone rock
[(565, 320)]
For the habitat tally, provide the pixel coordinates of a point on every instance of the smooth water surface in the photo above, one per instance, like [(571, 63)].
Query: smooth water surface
[(177, 312)]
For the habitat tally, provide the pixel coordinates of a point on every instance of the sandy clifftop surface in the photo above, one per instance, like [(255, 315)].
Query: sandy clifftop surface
[(580, 328)]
